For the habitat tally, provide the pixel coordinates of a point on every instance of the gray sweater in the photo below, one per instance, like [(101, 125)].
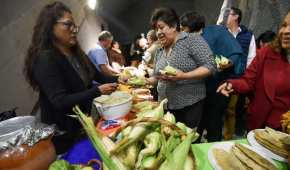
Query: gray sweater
[(188, 53)]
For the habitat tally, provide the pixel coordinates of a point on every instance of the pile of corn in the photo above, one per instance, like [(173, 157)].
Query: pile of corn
[(151, 141)]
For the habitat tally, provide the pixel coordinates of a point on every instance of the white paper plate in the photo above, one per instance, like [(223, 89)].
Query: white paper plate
[(227, 147), (268, 153)]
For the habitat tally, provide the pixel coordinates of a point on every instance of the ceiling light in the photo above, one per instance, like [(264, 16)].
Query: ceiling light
[(92, 4)]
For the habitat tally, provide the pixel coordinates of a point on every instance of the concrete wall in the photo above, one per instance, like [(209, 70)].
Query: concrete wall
[(262, 15), (208, 8), (135, 18), (17, 19), (127, 20)]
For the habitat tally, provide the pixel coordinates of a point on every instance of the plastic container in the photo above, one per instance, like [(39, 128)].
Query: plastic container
[(114, 111)]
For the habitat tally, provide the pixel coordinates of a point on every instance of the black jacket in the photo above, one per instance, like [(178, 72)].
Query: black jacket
[(61, 88)]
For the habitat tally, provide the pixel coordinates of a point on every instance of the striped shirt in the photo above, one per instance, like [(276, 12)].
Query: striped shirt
[(188, 53)]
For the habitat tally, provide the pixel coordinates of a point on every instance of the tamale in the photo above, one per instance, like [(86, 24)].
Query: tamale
[(246, 160), (256, 157), (266, 140), (276, 134), (226, 160)]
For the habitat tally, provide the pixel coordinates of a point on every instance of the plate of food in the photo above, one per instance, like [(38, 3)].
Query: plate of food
[(233, 156), (269, 141)]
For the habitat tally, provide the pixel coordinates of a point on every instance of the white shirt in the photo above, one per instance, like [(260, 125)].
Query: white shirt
[(252, 46)]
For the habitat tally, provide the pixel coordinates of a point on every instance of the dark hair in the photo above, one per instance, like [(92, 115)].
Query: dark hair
[(167, 15), (238, 12), (136, 42), (43, 37), (105, 35), (266, 37), (193, 21), (114, 42)]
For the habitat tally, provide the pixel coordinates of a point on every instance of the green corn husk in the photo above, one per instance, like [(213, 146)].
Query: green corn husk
[(149, 162), (130, 155), (138, 133), (112, 162), (59, 165), (185, 128), (105, 167), (189, 162), (143, 106), (127, 131), (86, 168), (154, 161), (182, 126), (158, 112), (177, 158), (64, 165), (152, 143), (136, 81), (171, 118), (169, 70), (141, 129), (217, 60), (172, 142)]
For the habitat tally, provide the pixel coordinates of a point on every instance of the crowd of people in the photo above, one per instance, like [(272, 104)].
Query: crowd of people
[(251, 90)]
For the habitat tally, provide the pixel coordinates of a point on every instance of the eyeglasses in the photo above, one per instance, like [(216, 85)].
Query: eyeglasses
[(70, 25)]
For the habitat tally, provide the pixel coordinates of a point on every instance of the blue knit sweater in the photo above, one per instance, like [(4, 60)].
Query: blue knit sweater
[(223, 43), (244, 38)]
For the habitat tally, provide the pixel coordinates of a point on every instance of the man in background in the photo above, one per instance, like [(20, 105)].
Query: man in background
[(98, 55), (235, 121)]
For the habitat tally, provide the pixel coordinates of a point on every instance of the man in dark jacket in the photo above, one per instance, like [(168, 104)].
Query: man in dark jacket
[(244, 36)]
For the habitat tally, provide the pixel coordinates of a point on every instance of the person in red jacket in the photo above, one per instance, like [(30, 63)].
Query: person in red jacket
[(268, 80)]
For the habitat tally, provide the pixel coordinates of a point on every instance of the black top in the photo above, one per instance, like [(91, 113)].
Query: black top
[(61, 88)]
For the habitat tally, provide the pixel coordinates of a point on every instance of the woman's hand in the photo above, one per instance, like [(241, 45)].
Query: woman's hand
[(108, 88), (225, 89)]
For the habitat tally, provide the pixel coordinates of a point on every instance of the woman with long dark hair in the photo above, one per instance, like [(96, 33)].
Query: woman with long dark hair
[(58, 69)]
